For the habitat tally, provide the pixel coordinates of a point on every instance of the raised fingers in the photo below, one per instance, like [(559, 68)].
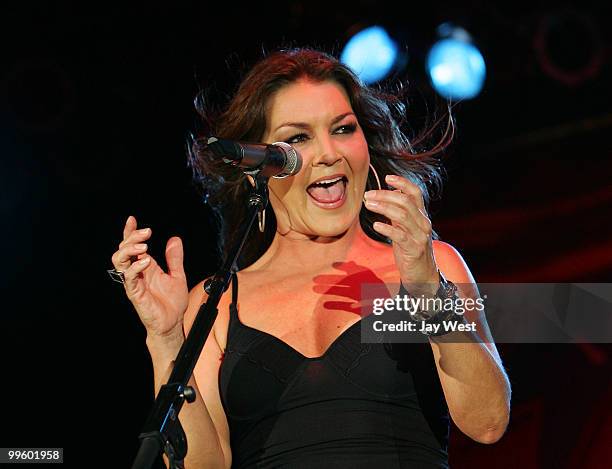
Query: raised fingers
[(397, 235), (136, 236), (174, 257), (132, 245), (399, 208), (408, 188), (123, 258), (130, 226), (133, 285)]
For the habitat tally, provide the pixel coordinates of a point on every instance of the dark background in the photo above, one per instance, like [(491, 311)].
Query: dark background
[(95, 108)]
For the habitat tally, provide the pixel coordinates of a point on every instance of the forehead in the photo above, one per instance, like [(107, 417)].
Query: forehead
[(306, 101)]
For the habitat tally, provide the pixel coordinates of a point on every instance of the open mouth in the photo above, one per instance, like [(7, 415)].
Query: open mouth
[(328, 192)]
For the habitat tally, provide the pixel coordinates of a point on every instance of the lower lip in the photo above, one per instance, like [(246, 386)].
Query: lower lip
[(330, 205)]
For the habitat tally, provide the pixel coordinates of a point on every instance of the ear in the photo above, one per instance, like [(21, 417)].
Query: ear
[(251, 180)]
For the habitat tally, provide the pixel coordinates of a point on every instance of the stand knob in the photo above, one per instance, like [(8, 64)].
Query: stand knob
[(189, 394)]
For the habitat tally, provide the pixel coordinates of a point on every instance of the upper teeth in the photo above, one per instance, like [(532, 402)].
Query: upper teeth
[(329, 181)]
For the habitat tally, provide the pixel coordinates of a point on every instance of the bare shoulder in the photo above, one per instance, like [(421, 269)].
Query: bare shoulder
[(451, 263), (197, 297)]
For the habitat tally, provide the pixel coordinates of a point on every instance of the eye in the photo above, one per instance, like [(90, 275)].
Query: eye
[(297, 139), (346, 129)]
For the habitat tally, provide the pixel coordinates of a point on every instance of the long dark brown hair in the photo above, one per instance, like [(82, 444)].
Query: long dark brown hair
[(380, 114)]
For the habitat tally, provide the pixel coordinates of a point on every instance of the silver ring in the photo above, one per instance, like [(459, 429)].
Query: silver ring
[(116, 275)]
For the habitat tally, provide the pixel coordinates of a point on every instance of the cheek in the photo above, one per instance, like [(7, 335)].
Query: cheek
[(288, 190), (280, 187), (360, 163)]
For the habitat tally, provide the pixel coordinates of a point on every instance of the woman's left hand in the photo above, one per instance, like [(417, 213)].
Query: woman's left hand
[(410, 231)]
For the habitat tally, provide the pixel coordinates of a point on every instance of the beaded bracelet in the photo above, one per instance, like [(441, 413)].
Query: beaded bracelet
[(447, 290)]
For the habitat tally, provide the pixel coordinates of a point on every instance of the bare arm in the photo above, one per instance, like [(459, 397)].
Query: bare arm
[(164, 304), (208, 445), (475, 384), (476, 388), (205, 381)]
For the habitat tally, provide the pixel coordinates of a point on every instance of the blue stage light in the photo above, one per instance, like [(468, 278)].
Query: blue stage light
[(371, 54), (456, 68)]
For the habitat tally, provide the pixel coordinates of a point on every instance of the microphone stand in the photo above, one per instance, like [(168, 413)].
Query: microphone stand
[(162, 430)]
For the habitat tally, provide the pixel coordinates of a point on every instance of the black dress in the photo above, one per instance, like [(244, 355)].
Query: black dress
[(356, 406)]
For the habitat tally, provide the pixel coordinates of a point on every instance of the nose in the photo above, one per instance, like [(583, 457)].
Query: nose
[(326, 153)]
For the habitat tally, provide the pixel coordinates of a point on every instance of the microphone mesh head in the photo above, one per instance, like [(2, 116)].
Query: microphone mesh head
[(293, 163)]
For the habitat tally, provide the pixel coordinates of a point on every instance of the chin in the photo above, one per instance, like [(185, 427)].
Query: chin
[(333, 226)]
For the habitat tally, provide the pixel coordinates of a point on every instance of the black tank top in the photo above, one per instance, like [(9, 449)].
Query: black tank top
[(357, 406)]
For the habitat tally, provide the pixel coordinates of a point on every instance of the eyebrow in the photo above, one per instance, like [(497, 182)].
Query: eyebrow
[(305, 125)]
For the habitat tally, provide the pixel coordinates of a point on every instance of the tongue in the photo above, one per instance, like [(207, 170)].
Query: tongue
[(327, 194)]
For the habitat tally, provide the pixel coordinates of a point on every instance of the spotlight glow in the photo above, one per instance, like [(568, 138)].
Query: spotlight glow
[(371, 54), (456, 68)]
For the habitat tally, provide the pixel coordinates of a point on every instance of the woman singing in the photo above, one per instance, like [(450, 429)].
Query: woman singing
[(284, 379)]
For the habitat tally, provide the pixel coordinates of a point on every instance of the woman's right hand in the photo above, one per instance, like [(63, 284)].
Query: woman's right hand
[(160, 298)]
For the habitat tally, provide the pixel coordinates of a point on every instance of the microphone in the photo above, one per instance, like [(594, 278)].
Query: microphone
[(277, 160)]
